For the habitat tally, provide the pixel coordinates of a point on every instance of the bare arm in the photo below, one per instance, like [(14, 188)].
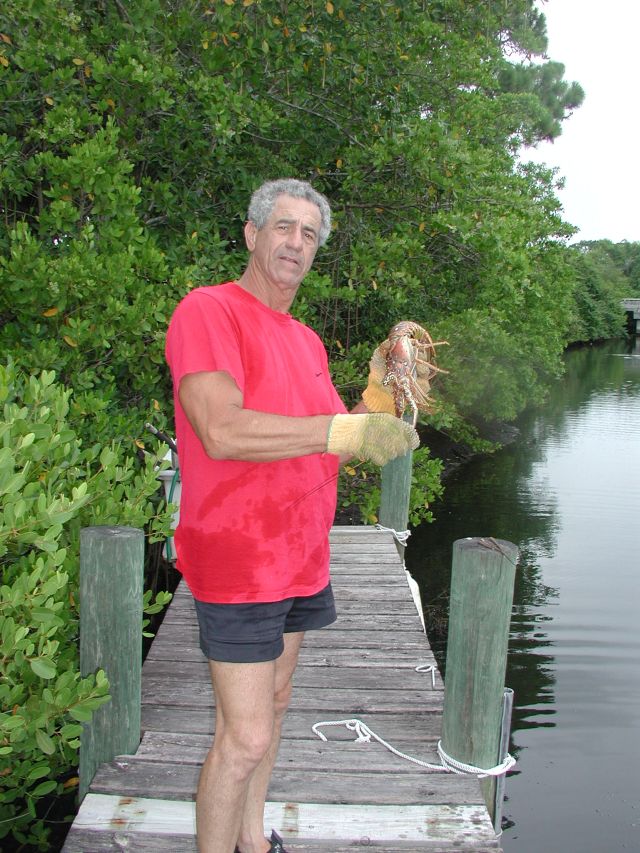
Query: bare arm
[(213, 403)]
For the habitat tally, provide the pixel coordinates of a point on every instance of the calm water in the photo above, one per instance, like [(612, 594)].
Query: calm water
[(568, 494)]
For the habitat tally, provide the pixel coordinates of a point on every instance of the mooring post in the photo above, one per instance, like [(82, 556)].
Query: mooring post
[(111, 581), (395, 496), (395, 492), (482, 581)]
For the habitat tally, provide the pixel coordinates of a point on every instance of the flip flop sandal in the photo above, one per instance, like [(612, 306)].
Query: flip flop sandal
[(277, 844)]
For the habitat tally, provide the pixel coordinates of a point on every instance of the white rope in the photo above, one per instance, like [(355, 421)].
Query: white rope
[(400, 536), (365, 734), (447, 765), (468, 769), (428, 667)]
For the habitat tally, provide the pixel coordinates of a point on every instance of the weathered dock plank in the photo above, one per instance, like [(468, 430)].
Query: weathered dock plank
[(178, 781), (337, 796), (389, 725), (146, 824)]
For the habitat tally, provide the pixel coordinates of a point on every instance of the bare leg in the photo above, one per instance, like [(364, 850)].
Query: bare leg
[(244, 730), (251, 836), (251, 700)]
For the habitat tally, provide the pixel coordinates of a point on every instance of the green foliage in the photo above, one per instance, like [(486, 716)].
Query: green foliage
[(151, 606), (426, 487), (601, 271), (624, 257), (133, 137), (51, 487), (545, 98), (359, 486), (83, 286)]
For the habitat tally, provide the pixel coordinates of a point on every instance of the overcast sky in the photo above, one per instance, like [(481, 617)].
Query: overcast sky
[(598, 152)]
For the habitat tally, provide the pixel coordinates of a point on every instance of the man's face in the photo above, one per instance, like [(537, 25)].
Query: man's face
[(283, 250)]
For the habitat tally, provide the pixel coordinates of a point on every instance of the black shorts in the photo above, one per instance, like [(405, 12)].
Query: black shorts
[(251, 633)]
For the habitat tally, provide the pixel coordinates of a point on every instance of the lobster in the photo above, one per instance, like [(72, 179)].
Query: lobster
[(410, 355)]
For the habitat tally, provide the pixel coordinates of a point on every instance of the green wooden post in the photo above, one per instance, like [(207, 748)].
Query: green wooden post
[(395, 491), (111, 580), (482, 581)]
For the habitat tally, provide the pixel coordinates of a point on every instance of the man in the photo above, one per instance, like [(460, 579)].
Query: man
[(261, 431)]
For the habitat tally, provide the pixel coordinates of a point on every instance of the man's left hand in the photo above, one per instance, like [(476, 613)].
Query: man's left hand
[(377, 397)]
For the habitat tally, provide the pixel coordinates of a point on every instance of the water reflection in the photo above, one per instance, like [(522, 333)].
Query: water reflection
[(568, 494)]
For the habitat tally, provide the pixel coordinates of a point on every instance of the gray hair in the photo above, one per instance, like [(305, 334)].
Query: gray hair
[(264, 200)]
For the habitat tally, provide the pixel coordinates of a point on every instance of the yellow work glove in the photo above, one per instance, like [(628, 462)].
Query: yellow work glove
[(379, 437), (377, 397)]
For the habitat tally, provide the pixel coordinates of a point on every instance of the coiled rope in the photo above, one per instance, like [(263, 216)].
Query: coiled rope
[(447, 765)]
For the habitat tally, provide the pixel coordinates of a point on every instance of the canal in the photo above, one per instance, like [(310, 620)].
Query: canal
[(567, 492)]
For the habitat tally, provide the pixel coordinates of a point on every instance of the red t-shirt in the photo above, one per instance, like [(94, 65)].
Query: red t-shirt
[(252, 531)]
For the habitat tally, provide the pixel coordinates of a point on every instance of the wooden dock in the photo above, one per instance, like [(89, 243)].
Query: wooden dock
[(328, 797)]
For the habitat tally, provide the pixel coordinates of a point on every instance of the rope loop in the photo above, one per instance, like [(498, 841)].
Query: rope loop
[(365, 735), (400, 536), (428, 667), (463, 769), (447, 765)]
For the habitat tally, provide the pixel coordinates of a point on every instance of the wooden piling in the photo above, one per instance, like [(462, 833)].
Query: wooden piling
[(111, 581), (482, 581), (395, 492)]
